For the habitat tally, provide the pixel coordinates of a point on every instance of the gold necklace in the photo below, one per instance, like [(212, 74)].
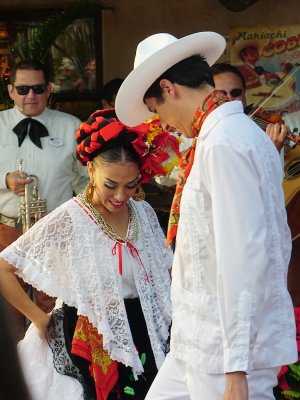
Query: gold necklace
[(106, 227)]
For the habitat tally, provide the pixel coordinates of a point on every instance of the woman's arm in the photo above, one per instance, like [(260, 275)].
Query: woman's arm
[(15, 295)]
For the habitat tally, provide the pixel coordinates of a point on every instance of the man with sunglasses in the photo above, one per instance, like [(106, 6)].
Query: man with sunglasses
[(230, 80), (44, 139)]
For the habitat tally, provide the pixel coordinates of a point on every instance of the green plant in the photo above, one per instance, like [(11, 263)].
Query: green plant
[(288, 387), (44, 35), (47, 31), (289, 383)]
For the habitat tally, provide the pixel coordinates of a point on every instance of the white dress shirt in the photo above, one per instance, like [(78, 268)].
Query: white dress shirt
[(231, 307), (55, 164)]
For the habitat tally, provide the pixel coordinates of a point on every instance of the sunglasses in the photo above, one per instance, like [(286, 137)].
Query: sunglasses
[(236, 92), (23, 90)]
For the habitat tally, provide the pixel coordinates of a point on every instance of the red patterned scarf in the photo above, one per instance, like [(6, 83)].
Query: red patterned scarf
[(211, 102)]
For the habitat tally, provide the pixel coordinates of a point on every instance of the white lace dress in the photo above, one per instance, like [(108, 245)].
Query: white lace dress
[(68, 256)]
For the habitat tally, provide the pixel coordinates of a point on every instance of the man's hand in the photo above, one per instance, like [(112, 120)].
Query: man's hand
[(277, 133), (236, 386), (16, 184)]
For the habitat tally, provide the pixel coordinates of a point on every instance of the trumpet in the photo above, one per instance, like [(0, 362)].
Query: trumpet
[(31, 207)]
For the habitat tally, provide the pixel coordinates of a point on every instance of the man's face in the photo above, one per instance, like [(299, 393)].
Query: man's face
[(169, 115), (90, 68), (228, 82), (30, 104)]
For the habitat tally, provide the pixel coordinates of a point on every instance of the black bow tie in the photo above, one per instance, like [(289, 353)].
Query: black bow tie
[(36, 131)]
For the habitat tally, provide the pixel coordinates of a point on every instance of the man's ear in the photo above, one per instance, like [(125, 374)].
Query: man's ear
[(10, 90), (167, 87)]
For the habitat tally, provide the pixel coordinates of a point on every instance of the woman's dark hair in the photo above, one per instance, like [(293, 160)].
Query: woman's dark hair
[(119, 149), (192, 72), (220, 68), (29, 65)]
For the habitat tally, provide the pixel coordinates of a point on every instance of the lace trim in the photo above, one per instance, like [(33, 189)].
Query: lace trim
[(56, 340)]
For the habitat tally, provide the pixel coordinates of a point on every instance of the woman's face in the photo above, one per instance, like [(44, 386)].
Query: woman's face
[(114, 184)]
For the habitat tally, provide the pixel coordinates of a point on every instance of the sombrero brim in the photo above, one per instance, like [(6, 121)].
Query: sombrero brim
[(130, 107)]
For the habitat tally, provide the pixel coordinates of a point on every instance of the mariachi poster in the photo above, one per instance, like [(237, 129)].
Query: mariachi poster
[(269, 59)]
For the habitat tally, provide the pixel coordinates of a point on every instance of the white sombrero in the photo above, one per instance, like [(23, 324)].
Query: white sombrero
[(155, 55)]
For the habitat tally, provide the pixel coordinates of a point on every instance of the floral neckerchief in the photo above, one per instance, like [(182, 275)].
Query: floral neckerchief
[(210, 103)]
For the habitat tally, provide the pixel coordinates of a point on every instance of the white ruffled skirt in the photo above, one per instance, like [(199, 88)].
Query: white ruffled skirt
[(43, 381)]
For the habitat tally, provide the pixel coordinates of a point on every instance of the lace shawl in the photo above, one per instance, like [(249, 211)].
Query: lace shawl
[(68, 256)]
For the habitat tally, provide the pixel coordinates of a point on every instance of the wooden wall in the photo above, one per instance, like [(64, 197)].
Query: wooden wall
[(133, 20)]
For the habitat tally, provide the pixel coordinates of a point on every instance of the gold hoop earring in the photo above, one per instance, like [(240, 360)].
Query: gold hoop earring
[(90, 191), (139, 194)]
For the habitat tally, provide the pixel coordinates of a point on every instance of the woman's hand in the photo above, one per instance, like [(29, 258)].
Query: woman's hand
[(16, 296), (42, 324)]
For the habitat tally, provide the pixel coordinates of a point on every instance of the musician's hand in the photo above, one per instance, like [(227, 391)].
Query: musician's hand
[(236, 386), (16, 184), (277, 133)]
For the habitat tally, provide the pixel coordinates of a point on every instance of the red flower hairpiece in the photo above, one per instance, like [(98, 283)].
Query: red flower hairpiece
[(158, 150)]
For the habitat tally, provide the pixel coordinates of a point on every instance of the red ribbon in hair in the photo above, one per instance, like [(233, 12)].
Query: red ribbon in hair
[(152, 154)]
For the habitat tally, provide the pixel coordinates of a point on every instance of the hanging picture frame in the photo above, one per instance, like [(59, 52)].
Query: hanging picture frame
[(74, 58)]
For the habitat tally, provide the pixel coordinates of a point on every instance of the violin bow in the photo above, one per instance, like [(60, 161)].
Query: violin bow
[(287, 77)]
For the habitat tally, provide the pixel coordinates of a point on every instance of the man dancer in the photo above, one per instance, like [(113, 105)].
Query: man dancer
[(233, 323)]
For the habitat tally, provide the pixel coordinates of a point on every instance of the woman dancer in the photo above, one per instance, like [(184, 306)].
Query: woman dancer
[(103, 254)]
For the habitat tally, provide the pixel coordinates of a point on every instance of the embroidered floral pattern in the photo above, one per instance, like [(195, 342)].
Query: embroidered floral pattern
[(85, 337), (289, 375)]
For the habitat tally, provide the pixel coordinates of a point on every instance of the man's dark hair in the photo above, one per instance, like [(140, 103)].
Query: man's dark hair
[(192, 72), (220, 68), (29, 65)]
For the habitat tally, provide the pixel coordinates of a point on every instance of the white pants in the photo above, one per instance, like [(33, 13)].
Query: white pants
[(177, 381)]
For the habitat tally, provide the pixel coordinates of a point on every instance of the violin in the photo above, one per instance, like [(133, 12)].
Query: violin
[(263, 118)]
